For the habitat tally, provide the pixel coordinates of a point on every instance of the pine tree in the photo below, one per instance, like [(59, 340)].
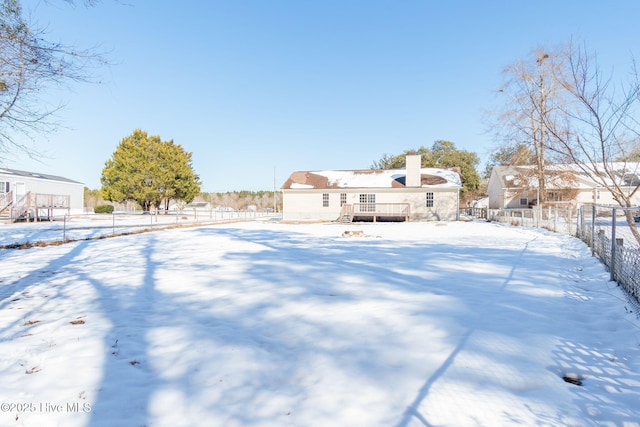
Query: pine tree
[(149, 171)]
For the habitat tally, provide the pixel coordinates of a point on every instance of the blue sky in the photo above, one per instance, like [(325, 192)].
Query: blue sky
[(251, 87)]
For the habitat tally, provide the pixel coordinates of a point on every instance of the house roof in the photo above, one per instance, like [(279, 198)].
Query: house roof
[(628, 173), (14, 172), (370, 178)]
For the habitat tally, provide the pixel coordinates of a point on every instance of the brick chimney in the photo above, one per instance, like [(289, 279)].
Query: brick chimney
[(413, 178)]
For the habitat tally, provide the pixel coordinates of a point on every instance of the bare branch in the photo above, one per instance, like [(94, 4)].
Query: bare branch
[(29, 65)]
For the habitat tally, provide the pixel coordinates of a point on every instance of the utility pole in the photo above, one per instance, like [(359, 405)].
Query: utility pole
[(275, 197)]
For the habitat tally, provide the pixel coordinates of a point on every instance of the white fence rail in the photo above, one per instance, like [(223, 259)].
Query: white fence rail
[(92, 226), (557, 219)]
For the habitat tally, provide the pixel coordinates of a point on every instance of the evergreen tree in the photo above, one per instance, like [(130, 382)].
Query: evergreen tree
[(149, 171)]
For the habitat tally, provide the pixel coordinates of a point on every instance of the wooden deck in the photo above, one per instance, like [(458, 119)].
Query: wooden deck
[(34, 206), (375, 212)]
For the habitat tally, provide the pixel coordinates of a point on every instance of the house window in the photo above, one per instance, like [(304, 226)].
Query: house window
[(554, 196), (429, 200), (368, 203), (524, 201), (4, 187), (325, 200), (343, 199)]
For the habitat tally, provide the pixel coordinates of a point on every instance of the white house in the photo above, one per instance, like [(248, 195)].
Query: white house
[(35, 195), (411, 194), (515, 187)]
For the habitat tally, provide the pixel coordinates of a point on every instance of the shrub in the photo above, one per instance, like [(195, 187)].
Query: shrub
[(103, 209)]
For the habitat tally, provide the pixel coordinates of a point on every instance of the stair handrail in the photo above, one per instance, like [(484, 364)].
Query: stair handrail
[(6, 200), (345, 211), (20, 207)]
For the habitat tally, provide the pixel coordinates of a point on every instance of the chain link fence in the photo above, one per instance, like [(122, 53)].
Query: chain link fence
[(609, 234)]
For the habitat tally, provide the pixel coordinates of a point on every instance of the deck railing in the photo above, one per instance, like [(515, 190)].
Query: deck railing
[(381, 210), (34, 206), (49, 201)]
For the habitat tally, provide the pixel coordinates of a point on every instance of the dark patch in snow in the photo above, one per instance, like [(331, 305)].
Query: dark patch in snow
[(572, 379)]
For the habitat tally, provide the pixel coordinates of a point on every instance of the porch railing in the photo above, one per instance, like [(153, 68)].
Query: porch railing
[(381, 210), (35, 206), (49, 201)]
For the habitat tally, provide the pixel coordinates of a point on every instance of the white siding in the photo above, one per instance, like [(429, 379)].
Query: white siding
[(601, 196), (74, 190), (495, 190), (500, 197), (306, 205)]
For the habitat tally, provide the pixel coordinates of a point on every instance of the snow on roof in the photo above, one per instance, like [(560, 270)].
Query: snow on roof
[(298, 186), (347, 179), (390, 178), (628, 173)]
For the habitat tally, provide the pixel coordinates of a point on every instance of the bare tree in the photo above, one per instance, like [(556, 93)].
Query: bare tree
[(599, 126), (531, 99), (28, 65)]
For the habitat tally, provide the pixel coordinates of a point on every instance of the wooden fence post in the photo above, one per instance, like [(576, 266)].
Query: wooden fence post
[(613, 245), (593, 228)]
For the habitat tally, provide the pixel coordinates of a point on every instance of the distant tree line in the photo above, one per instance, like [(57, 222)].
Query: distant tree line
[(236, 200), (241, 200)]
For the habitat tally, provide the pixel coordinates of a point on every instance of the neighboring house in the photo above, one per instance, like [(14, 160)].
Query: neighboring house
[(515, 187), (29, 195), (411, 194)]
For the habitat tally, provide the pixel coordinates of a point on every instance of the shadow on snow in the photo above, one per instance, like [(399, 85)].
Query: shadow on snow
[(237, 337)]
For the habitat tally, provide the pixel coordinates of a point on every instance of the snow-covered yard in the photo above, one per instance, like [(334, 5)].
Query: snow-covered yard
[(272, 324)]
